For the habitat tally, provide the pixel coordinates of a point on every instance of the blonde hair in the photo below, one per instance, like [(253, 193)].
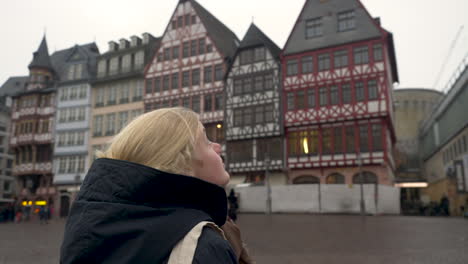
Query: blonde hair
[(163, 139)]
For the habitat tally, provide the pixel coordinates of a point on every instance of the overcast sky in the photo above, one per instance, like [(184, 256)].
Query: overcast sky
[(423, 29)]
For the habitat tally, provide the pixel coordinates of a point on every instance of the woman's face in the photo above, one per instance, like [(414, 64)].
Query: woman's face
[(207, 162)]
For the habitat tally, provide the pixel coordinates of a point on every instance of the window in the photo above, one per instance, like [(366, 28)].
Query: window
[(237, 83), (326, 140), (377, 137), (268, 85), (292, 67), (465, 145), (196, 77), (313, 28), (149, 86), (241, 151), (112, 96), (123, 119), (71, 164), (81, 164), (248, 117), (81, 116), (337, 140), (290, 101), (350, 146), (201, 46), (258, 83), (237, 117), (194, 19), (359, 91), (174, 24), (346, 21), (185, 78), (219, 72), (323, 62), (247, 85), (83, 91), (165, 82), (259, 54), (185, 49), (97, 126), (363, 138), (378, 52), (187, 20), (208, 103), (110, 124), (218, 101), (196, 104), (341, 59), (62, 164), (100, 93), (301, 100), (167, 54), (193, 48), (323, 96), (80, 138), (259, 115), (311, 97), (293, 143), (361, 55), (208, 74), (73, 93), (157, 84), (180, 21), (246, 57), (175, 80), (209, 48), (334, 95), (139, 90), (269, 113), (372, 89), (307, 64), (175, 52), (186, 102)]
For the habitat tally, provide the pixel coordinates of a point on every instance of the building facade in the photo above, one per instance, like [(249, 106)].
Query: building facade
[(253, 116), (72, 120), (444, 145), (412, 107), (189, 67), (338, 69), (7, 182), (31, 138), (117, 91)]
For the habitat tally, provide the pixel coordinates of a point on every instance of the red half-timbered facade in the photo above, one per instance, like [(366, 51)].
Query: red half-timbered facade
[(32, 130), (338, 69), (189, 67)]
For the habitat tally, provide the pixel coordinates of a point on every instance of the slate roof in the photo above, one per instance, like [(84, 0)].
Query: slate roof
[(225, 40), (256, 37), (41, 56), (60, 60), (14, 85)]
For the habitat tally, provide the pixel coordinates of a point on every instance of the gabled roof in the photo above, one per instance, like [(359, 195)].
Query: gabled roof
[(41, 56), (60, 58), (14, 85), (256, 37), (225, 40)]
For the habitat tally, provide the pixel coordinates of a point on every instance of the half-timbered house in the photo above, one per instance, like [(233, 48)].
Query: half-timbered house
[(189, 67), (253, 110), (339, 67)]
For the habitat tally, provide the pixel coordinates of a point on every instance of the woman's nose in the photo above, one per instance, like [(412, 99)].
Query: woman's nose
[(217, 148)]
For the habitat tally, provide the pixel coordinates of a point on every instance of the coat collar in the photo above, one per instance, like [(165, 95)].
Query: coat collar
[(118, 181)]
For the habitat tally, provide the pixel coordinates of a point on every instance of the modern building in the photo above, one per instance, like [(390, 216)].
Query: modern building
[(339, 68), (412, 107), (7, 182), (253, 116), (32, 128), (190, 64), (444, 145), (117, 91), (73, 102)]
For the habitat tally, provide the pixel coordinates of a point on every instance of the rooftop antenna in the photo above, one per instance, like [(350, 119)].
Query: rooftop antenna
[(452, 46)]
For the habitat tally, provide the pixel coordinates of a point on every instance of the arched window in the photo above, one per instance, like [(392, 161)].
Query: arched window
[(306, 179), (335, 178), (368, 178)]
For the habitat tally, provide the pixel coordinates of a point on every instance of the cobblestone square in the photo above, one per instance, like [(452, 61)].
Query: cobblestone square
[(298, 238)]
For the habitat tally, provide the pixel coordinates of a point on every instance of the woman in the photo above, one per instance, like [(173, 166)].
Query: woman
[(159, 178)]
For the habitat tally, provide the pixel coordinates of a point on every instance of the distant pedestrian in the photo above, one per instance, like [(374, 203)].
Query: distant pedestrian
[(445, 205), (43, 215), (233, 205)]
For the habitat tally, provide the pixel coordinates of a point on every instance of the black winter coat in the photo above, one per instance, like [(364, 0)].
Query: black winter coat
[(130, 213)]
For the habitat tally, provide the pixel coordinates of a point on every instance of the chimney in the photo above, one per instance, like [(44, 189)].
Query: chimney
[(113, 46), (377, 19), (135, 41), (123, 44)]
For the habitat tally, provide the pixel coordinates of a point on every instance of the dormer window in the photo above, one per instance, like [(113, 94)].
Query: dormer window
[(313, 28), (346, 21)]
